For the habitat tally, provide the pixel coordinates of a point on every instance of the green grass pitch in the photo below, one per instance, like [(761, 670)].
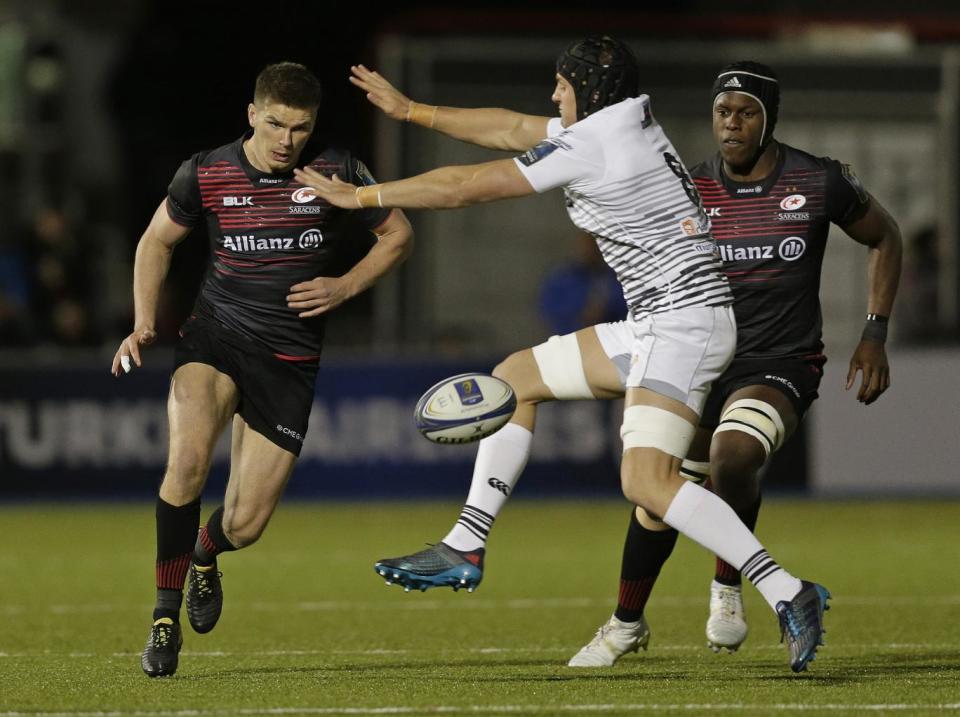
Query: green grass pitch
[(309, 628)]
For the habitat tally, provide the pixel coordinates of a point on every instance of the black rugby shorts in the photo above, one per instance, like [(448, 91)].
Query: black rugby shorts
[(275, 395), (797, 379)]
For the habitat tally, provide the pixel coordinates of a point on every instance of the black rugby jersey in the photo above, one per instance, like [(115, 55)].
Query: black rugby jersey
[(267, 232), (771, 236)]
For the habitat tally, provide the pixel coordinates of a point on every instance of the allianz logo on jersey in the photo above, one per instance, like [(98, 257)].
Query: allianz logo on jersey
[(790, 249), (310, 239)]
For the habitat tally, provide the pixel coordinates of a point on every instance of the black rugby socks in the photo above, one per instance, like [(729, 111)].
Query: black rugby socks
[(176, 528)]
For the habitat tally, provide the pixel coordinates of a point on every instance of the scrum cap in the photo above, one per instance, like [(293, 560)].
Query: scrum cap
[(757, 81), (602, 70)]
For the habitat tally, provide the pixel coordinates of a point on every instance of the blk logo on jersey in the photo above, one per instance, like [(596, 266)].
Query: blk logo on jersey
[(792, 248), (238, 201)]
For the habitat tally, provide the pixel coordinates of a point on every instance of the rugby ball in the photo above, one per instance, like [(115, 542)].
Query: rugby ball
[(464, 408)]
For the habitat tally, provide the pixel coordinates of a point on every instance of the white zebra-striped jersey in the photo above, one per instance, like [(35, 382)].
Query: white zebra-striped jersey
[(625, 185)]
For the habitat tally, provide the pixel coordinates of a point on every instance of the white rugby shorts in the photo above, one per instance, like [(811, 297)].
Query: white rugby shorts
[(678, 354)]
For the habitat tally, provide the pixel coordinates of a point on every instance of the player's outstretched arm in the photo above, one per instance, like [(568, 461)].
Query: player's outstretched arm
[(320, 295), (878, 231), (149, 270), (444, 188), (493, 128)]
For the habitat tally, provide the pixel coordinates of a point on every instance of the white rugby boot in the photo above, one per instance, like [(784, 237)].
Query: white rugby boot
[(727, 625), (613, 640)]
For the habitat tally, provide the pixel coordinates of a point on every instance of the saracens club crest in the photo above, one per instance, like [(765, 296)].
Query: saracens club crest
[(793, 202), (304, 195)]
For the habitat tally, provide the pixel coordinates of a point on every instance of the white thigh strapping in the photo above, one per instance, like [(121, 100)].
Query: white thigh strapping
[(695, 471), (652, 427), (755, 418), (561, 367)]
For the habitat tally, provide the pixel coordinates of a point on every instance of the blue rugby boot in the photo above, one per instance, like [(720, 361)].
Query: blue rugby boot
[(437, 566), (801, 623)]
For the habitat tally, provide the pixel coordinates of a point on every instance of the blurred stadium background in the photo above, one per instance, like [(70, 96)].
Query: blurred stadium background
[(100, 101)]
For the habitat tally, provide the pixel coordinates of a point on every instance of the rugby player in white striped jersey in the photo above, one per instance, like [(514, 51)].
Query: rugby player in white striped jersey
[(625, 185)]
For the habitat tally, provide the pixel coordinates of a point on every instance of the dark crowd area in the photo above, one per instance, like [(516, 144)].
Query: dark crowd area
[(101, 101)]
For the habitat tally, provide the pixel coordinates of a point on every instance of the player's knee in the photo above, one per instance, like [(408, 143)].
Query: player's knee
[(243, 527), (509, 369), (738, 489), (635, 489), (653, 438), (735, 463), (647, 480), (735, 456), (519, 370), (646, 485), (187, 469)]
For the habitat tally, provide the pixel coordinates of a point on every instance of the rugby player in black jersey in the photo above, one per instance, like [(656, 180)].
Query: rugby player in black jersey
[(249, 352), (771, 207)]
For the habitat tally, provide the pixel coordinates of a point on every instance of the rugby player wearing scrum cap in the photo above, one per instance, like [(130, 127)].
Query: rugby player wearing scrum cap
[(771, 207), (625, 185)]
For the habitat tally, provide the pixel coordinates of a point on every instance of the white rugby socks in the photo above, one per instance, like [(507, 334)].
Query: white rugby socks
[(707, 519), (501, 459)]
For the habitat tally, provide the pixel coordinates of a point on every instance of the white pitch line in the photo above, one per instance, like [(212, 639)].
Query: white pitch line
[(507, 709), (474, 603), (562, 650)]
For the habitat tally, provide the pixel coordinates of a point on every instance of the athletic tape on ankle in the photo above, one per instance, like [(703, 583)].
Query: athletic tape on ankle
[(652, 427), (695, 471), (755, 418), (561, 367)]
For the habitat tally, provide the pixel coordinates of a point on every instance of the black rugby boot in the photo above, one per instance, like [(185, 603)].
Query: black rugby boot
[(204, 596)]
